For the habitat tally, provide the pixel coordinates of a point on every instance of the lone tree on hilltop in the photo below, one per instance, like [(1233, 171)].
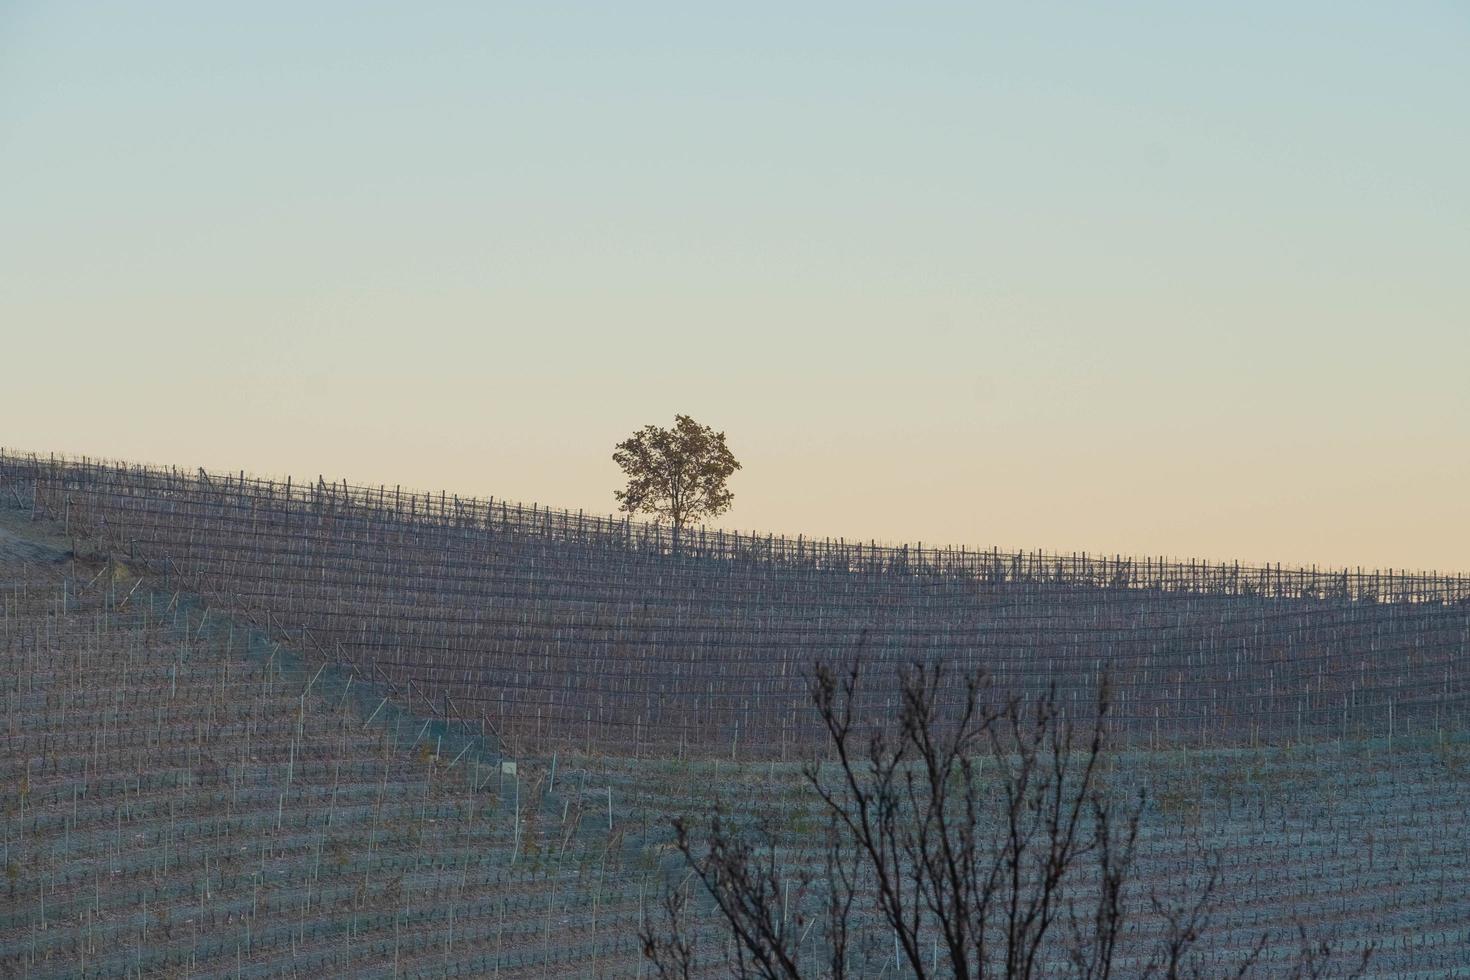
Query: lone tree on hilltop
[(676, 473)]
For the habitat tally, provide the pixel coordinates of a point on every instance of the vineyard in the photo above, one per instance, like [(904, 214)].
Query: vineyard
[(255, 727)]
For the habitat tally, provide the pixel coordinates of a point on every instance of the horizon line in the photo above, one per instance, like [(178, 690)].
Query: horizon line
[(871, 545)]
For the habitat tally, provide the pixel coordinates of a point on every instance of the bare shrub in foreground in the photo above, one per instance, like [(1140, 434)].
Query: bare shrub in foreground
[(979, 834)]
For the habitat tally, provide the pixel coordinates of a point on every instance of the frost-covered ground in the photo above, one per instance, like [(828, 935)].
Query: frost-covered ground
[(188, 786)]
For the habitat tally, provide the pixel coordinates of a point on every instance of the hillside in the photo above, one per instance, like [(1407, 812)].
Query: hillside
[(261, 728)]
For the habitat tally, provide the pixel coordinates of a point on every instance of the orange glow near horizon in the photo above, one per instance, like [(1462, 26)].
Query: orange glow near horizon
[(1029, 279)]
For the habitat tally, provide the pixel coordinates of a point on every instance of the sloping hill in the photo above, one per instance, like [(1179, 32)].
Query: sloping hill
[(260, 729), (588, 633), (183, 796)]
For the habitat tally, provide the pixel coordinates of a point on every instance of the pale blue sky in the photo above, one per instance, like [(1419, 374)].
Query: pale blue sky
[(1137, 277)]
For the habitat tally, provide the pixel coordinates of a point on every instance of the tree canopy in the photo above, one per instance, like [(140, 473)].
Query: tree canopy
[(678, 474)]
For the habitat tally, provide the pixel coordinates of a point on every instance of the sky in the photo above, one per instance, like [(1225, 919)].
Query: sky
[(1144, 278)]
